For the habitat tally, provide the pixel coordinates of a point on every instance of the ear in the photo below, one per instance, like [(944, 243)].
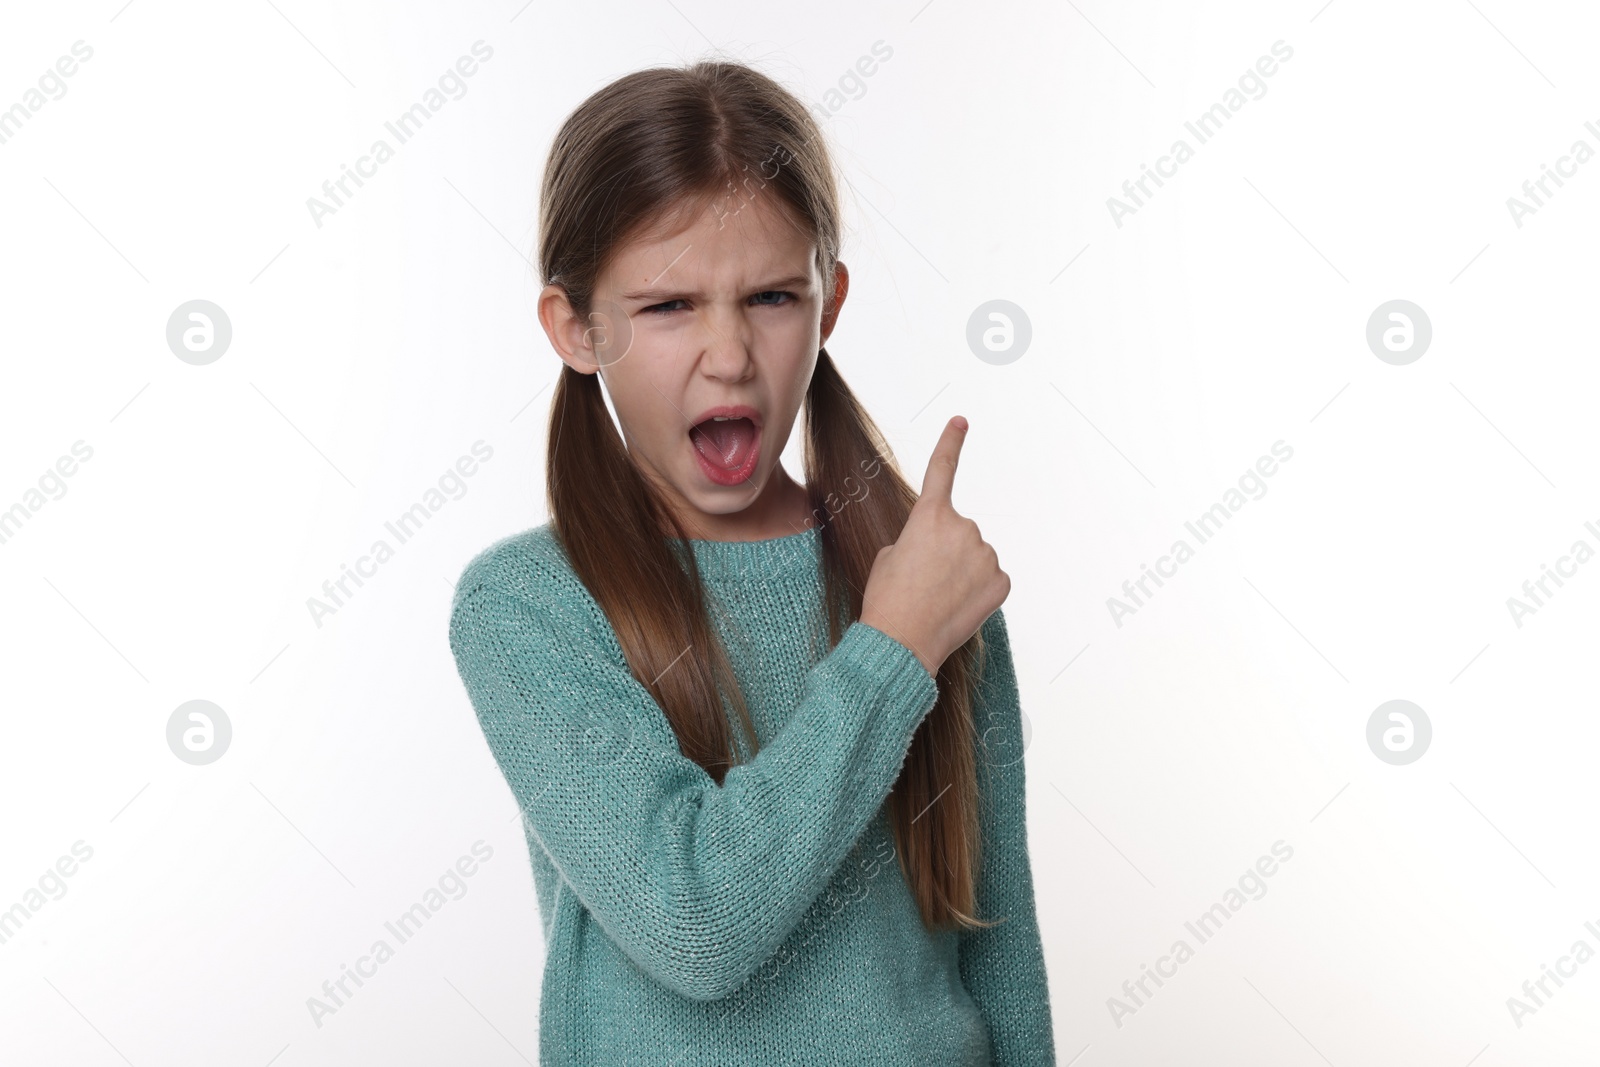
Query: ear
[(570, 335), (841, 286)]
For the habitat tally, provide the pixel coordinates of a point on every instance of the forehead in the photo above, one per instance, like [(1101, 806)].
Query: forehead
[(728, 240)]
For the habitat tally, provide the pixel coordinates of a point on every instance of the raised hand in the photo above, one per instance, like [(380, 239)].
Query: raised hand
[(933, 588)]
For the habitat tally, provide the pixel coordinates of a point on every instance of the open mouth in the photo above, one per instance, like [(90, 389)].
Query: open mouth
[(727, 447)]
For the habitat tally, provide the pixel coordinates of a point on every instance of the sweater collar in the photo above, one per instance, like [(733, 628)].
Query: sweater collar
[(793, 554)]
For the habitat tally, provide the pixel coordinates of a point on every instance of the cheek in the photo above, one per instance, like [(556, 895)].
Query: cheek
[(789, 347), (799, 370), (644, 398), (796, 332)]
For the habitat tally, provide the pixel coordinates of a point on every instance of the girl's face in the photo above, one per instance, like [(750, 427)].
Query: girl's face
[(721, 318)]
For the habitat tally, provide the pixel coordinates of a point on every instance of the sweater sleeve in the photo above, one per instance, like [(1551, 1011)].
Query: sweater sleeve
[(697, 884), (1003, 966)]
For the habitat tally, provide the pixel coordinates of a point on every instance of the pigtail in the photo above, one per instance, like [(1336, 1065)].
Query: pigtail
[(649, 144)]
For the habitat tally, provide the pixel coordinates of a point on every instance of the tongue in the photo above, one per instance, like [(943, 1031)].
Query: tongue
[(727, 444)]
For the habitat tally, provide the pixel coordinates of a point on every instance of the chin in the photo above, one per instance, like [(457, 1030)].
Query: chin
[(726, 499)]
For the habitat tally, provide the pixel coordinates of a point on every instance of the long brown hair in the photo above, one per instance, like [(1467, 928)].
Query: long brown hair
[(653, 143)]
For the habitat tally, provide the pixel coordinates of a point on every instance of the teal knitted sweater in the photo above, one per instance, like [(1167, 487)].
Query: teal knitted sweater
[(766, 920)]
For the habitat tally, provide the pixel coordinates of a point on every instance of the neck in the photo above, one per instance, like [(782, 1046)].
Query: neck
[(781, 508)]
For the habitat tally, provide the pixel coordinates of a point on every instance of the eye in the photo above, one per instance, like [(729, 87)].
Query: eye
[(783, 297)]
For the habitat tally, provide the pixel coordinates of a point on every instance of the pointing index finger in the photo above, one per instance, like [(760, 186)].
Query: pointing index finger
[(941, 476)]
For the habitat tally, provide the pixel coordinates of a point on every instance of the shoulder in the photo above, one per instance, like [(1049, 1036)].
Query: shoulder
[(529, 567)]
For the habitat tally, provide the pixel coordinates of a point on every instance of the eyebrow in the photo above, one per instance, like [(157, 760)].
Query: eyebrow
[(797, 281)]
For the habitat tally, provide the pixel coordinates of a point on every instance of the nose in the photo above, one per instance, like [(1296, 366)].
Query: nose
[(725, 345)]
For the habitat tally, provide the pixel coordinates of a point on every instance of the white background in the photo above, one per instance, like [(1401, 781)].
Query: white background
[(1167, 355)]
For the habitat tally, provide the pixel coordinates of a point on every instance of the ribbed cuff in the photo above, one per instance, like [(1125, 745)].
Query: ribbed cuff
[(891, 669)]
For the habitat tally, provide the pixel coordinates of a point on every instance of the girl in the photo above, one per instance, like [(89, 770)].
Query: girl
[(765, 736)]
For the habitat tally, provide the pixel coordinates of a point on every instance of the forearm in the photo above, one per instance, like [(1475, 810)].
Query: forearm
[(697, 883)]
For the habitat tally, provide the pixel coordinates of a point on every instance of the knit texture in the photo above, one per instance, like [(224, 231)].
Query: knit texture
[(766, 920)]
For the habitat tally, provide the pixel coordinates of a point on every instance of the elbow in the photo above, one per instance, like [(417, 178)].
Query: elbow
[(705, 963), (704, 936), (704, 988), (708, 974)]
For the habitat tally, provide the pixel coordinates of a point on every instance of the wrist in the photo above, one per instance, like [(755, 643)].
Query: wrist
[(915, 645)]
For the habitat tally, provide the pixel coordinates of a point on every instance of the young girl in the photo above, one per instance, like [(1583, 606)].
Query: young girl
[(765, 736)]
